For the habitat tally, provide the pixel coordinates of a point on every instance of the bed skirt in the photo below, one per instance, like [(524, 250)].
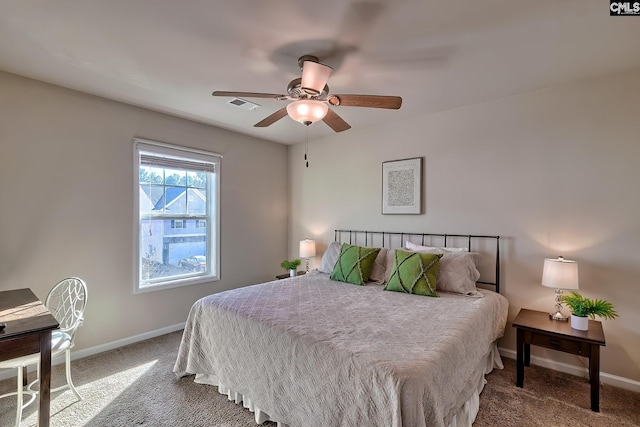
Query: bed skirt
[(464, 417)]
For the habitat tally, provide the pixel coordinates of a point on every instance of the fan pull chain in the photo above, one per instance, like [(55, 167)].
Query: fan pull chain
[(306, 147)]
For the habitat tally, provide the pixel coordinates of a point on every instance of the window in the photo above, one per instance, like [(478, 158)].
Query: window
[(177, 208), (178, 223)]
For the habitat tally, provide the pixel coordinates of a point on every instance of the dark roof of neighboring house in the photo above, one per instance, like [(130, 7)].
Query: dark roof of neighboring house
[(149, 190), (171, 194)]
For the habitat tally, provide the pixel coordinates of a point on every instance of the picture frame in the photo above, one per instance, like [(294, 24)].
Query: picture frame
[(402, 186)]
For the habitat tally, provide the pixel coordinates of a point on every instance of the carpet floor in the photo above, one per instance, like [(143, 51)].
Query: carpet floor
[(135, 386)]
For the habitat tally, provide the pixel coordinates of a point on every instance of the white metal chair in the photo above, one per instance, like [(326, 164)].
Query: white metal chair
[(66, 301)]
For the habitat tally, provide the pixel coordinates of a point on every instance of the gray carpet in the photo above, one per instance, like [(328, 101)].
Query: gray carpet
[(134, 386)]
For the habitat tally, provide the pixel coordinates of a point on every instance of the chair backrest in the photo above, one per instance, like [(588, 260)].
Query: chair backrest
[(67, 301)]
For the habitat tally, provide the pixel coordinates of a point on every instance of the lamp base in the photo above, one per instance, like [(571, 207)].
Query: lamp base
[(558, 316)]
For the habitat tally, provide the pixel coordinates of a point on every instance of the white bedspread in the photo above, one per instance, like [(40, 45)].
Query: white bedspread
[(355, 355)]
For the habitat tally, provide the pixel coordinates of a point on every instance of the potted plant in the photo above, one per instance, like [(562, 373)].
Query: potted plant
[(582, 308), (292, 266)]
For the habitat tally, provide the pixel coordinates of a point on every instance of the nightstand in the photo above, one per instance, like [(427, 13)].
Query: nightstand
[(535, 327), (284, 276)]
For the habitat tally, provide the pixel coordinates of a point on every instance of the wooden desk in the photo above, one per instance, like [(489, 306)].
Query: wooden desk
[(28, 331), (535, 327)]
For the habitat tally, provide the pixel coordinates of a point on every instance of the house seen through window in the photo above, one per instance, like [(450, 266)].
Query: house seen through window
[(178, 211)]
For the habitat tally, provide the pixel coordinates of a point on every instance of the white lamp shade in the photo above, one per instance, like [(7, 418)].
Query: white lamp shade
[(307, 111), (307, 248), (314, 76), (560, 273)]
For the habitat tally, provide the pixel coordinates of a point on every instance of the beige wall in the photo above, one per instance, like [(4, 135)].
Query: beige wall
[(66, 204), (554, 172)]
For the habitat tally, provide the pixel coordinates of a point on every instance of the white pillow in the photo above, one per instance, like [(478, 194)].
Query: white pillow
[(330, 257), (391, 255), (458, 273), (378, 272), (432, 249)]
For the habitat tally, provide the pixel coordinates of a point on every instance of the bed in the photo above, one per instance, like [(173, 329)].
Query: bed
[(312, 351)]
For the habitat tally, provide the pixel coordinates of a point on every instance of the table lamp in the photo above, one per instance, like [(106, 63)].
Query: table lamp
[(560, 274), (307, 250)]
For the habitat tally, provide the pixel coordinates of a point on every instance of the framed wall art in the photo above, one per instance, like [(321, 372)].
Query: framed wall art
[(402, 186)]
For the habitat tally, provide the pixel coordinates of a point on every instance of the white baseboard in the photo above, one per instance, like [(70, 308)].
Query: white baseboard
[(86, 352), (580, 371)]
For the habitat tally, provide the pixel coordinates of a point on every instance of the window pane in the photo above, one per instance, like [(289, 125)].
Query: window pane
[(175, 177), (196, 201), (151, 175), (196, 179), (151, 198), (168, 252), (175, 200)]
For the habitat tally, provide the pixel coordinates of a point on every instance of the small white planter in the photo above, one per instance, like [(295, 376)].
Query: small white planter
[(580, 323), (292, 273)]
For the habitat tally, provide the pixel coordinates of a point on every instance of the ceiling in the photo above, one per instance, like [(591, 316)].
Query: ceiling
[(169, 55)]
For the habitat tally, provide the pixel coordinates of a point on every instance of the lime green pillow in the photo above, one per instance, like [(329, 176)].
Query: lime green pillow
[(354, 264), (414, 273)]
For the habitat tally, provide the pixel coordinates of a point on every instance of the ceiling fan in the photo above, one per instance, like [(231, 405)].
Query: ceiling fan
[(311, 98)]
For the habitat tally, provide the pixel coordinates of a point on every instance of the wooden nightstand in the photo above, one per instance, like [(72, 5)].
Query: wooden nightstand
[(535, 327), (284, 276)]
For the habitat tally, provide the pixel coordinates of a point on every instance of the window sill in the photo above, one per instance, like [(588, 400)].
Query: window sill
[(140, 289)]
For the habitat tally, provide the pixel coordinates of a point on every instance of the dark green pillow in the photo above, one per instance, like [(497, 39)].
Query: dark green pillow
[(354, 264), (414, 273)]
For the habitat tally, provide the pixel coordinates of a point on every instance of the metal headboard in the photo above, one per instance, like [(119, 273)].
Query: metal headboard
[(385, 239)]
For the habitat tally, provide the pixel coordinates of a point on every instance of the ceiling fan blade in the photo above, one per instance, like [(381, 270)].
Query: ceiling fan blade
[(315, 76), (335, 122), (247, 94), (268, 121), (369, 101)]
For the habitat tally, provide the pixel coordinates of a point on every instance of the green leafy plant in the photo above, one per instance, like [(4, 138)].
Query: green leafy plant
[(583, 307), (290, 265)]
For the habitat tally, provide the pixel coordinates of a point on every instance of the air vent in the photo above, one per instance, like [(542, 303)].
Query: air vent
[(243, 103)]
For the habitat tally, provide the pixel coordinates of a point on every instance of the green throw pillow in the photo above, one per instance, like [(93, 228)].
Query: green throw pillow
[(414, 273), (354, 264)]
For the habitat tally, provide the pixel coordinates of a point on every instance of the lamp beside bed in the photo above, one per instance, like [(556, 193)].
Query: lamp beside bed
[(307, 250), (560, 274)]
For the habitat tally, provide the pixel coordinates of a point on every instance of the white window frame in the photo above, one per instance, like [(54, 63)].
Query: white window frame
[(212, 272)]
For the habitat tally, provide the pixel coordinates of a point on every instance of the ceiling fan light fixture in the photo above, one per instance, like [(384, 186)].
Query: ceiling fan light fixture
[(314, 77), (307, 111), (311, 100)]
